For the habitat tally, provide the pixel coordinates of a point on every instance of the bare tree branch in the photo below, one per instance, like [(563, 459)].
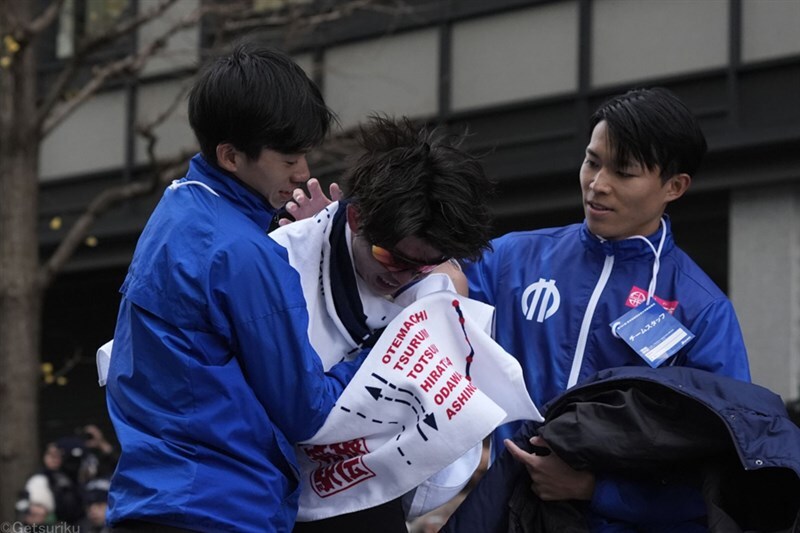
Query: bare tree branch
[(163, 172), (130, 64), (75, 236), (100, 205), (51, 113), (43, 21), (67, 75), (146, 129), (331, 154), (250, 19), (123, 27), (148, 132), (24, 34), (99, 76)]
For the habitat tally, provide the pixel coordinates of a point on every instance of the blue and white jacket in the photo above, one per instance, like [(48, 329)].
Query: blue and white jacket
[(213, 378), (556, 291)]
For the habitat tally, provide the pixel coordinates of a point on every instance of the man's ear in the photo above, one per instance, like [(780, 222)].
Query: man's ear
[(677, 185), (353, 219), (227, 157)]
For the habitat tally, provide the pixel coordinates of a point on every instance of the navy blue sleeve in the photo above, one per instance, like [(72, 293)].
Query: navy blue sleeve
[(647, 506), (486, 507)]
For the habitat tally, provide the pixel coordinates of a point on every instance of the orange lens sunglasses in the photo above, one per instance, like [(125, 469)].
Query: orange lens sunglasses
[(396, 263)]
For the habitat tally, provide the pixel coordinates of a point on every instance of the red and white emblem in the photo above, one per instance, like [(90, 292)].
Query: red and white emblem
[(637, 296)]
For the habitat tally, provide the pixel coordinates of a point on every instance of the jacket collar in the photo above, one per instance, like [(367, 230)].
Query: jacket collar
[(627, 248), (247, 200)]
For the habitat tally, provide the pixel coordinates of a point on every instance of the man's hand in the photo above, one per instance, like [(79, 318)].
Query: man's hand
[(307, 206), (552, 478)]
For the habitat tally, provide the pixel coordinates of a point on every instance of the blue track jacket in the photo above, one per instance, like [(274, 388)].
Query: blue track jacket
[(557, 290), (213, 377)]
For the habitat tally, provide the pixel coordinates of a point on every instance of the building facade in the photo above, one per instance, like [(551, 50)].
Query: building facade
[(522, 77)]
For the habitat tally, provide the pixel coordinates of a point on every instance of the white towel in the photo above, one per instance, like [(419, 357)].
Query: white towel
[(431, 389)]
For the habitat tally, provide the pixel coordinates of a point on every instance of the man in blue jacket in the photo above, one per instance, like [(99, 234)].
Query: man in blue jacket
[(564, 296), (213, 378)]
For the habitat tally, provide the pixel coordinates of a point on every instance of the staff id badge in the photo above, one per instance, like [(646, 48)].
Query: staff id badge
[(652, 332)]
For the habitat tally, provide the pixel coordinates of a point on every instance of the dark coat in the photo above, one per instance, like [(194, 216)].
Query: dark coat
[(730, 439)]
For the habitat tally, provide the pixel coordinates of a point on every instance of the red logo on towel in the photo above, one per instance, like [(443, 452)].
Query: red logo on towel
[(341, 466), (637, 296)]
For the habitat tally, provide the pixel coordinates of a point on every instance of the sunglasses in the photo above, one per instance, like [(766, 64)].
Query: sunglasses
[(396, 263)]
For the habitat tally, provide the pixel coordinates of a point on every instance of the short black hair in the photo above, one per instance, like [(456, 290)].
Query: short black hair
[(255, 98), (655, 128), (417, 182)]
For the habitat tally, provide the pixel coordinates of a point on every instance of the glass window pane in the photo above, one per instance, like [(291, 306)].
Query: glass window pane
[(174, 134), (640, 39), (182, 47), (82, 143), (770, 29), (397, 75), (65, 38), (101, 15), (514, 56)]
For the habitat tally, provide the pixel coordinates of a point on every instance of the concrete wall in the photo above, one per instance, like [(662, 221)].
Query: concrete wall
[(765, 282)]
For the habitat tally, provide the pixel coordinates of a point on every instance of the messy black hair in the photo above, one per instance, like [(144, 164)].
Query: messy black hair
[(415, 181), (256, 98), (654, 128)]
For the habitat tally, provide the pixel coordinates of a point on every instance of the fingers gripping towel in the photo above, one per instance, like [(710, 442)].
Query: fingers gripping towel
[(434, 385)]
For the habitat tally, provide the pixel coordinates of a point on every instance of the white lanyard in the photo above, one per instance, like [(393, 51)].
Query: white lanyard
[(651, 289)]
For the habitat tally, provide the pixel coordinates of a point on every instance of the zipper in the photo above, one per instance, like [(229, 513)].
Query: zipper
[(583, 337)]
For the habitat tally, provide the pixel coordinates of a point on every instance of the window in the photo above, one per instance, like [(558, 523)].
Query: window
[(769, 29), (82, 19), (395, 74), (634, 40), (515, 56)]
